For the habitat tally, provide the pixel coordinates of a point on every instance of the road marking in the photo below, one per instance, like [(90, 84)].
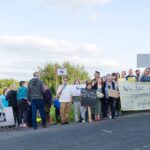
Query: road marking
[(107, 131)]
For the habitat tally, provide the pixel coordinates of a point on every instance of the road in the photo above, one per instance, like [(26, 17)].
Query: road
[(130, 132)]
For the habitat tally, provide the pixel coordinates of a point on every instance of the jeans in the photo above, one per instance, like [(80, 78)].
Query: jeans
[(38, 104)]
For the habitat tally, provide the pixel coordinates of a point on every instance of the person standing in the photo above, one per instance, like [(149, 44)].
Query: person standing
[(131, 77), (76, 98), (12, 102), (47, 102), (99, 100), (23, 104), (108, 101), (65, 98), (35, 95), (138, 75), (146, 76)]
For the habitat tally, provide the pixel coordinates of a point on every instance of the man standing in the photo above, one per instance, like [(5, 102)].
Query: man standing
[(35, 95), (131, 77), (94, 81), (64, 94)]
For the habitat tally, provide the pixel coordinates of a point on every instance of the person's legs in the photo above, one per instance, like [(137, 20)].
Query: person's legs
[(82, 111), (67, 110), (47, 110), (76, 110), (112, 107), (41, 110), (20, 113), (34, 107), (25, 106), (62, 111), (105, 107)]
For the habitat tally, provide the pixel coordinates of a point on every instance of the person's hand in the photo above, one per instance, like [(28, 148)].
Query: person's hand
[(29, 103)]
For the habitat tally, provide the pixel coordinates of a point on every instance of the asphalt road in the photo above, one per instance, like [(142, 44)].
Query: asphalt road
[(125, 133)]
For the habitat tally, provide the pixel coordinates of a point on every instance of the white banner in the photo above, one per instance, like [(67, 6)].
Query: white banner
[(134, 95), (7, 117)]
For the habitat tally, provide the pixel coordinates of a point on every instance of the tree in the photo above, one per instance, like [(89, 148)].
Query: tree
[(49, 74)]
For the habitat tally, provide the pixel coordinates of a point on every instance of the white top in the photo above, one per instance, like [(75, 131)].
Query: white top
[(76, 90), (65, 95)]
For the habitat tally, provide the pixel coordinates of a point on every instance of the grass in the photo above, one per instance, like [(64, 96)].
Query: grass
[(52, 113)]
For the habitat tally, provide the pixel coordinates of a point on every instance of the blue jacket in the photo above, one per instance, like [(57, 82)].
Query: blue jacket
[(4, 101), (22, 93)]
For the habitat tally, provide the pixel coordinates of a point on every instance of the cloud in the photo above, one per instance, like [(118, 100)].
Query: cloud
[(21, 55), (94, 16), (25, 53), (74, 3)]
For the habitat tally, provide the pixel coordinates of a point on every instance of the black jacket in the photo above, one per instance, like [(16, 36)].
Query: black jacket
[(12, 98), (104, 86)]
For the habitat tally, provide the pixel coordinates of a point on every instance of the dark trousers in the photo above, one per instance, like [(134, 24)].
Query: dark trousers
[(16, 114), (23, 108), (107, 103), (57, 114), (38, 104), (47, 111)]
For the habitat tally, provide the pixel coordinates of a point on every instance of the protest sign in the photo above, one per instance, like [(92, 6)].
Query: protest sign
[(113, 93), (6, 117), (134, 96), (88, 97)]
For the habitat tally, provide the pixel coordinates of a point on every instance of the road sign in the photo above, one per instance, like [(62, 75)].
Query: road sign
[(143, 60)]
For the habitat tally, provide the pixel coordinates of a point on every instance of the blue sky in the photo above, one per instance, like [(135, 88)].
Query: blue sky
[(104, 35)]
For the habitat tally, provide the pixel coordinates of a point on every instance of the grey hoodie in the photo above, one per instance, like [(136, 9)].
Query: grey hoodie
[(35, 89)]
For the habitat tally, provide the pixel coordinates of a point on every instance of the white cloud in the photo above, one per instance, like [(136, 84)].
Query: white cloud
[(20, 55), (94, 16), (74, 3)]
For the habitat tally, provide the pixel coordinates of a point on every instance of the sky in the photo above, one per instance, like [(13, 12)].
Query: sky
[(104, 35)]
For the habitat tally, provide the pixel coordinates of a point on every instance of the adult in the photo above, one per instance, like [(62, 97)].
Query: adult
[(35, 95), (99, 100), (65, 98), (94, 81), (146, 76), (23, 104), (108, 101), (131, 77), (76, 93), (47, 102), (12, 102), (138, 75), (117, 101)]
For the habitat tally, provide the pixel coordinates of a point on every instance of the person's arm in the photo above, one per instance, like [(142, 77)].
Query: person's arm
[(60, 89)]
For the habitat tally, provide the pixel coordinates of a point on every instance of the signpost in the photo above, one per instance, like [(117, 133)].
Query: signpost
[(143, 60)]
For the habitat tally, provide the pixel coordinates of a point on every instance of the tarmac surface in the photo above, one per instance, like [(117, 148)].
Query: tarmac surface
[(131, 132)]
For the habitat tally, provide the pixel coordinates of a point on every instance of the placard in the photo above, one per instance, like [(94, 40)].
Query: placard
[(88, 97), (113, 93)]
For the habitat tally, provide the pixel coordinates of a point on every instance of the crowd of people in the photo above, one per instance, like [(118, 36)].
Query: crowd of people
[(28, 98)]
